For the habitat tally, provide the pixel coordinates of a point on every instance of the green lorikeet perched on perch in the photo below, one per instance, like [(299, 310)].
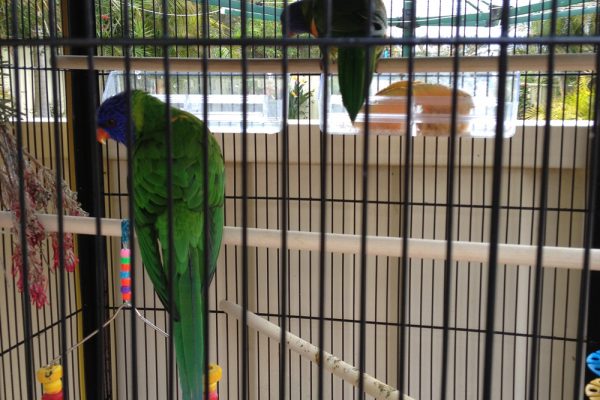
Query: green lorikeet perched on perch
[(149, 163), (349, 18)]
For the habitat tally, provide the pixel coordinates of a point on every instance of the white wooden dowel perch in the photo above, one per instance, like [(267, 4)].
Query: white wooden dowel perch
[(533, 62), (349, 373), (558, 257)]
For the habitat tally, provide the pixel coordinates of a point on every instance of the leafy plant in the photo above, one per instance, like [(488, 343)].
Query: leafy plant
[(574, 101), (185, 19), (575, 25), (572, 94), (7, 110), (299, 101), (33, 18)]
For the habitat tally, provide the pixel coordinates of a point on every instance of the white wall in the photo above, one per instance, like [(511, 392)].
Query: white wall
[(518, 224), (514, 300)]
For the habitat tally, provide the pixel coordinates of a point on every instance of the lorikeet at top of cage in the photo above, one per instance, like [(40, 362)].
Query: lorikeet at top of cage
[(149, 165), (349, 18)]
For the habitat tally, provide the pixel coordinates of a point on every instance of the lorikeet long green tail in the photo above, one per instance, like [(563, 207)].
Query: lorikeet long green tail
[(350, 18), (149, 165)]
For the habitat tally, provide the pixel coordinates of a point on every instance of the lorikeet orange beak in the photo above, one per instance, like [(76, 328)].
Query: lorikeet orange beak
[(313, 29), (101, 135)]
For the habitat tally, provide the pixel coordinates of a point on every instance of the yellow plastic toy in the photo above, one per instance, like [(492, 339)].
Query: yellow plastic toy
[(215, 373), (51, 379), (592, 389)]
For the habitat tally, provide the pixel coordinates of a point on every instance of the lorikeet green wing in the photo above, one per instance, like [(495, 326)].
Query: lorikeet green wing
[(349, 18), (149, 165)]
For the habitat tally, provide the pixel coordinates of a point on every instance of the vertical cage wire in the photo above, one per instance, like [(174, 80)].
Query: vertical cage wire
[(27, 319), (543, 215), (415, 187), (53, 22), (283, 254), (327, 10), (45, 331)]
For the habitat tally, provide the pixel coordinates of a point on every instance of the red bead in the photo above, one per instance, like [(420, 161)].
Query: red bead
[(55, 396), (126, 282), (126, 296)]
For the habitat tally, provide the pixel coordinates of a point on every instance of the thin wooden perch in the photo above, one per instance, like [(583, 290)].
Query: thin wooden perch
[(518, 254), (338, 367), (533, 62)]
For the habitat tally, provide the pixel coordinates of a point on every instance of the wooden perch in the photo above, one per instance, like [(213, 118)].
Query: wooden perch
[(514, 254), (533, 62), (338, 367)]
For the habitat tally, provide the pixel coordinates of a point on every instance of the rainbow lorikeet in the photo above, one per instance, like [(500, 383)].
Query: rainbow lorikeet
[(149, 164), (349, 18)]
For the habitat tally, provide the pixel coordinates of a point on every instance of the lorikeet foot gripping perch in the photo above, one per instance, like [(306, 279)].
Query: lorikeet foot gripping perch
[(196, 201)]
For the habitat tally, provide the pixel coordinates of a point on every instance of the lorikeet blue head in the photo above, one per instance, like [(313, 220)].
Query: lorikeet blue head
[(112, 119)]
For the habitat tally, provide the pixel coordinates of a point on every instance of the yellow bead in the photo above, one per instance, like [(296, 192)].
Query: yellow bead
[(592, 389), (53, 387), (212, 387), (215, 373), (49, 374)]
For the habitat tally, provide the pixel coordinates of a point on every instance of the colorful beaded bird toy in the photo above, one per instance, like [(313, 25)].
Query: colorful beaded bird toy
[(51, 375), (592, 389), (125, 263)]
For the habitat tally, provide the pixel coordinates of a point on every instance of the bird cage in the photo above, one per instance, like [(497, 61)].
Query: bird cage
[(435, 240)]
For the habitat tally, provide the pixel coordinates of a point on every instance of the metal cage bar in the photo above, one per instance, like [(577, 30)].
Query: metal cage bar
[(421, 260)]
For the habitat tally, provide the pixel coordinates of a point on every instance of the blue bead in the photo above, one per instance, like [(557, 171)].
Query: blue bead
[(593, 362), (125, 275), (125, 233)]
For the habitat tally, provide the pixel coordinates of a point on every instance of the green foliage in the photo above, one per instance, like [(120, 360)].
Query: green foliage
[(572, 94), (7, 110), (33, 19), (299, 104), (573, 100), (186, 20), (577, 103), (576, 25)]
